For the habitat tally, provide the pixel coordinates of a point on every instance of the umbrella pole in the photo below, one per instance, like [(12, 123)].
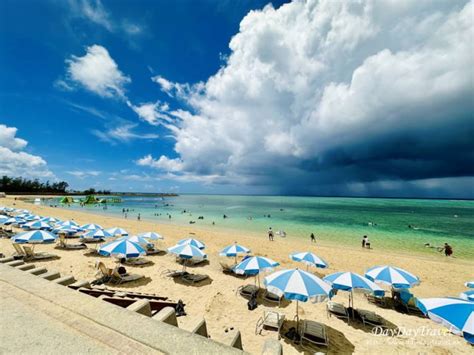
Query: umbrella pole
[(297, 317)]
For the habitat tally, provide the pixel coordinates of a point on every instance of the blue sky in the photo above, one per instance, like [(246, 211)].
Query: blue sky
[(331, 98)]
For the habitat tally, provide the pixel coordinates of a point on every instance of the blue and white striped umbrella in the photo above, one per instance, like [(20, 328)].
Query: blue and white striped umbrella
[(137, 239), (122, 248), (454, 313), (49, 220), (467, 295), (67, 224), (3, 219), (65, 229), (194, 242), (469, 284), (151, 235), (309, 259), (34, 237), (295, 284), (32, 217), (350, 281), (234, 250), (14, 220), (22, 215), (90, 227), (393, 276), (36, 225), (117, 231), (97, 234), (187, 251), (254, 264)]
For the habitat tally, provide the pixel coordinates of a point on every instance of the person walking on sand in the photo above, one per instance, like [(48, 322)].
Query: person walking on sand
[(313, 238), (138, 217), (270, 234), (448, 249), (364, 241)]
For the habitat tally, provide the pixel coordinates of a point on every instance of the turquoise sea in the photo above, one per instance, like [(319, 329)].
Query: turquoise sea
[(331, 219)]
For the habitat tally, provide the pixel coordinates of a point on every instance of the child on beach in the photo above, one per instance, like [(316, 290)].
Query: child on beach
[(313, 238)]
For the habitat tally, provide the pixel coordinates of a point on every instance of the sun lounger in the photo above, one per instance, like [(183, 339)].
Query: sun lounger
[(190, 262), (193, 278), (272, 297), (247, 290), (173, 273), (118, 278), (407, 302), (91, 240), (313, 332), (137, 261), (227, 268), (270, 320), (370, 318), (18, 250), (30, 255), (69, 246), (379, 301), (337, 310)]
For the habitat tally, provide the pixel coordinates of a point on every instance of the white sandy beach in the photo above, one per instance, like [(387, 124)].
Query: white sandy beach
[(222, 308)]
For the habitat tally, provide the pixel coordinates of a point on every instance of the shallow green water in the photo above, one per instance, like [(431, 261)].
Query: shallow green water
[(342, 220)]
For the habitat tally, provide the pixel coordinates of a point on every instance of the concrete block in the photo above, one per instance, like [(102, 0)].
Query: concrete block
[(167, 315), (79, 284), (200, 328), (15, 263), (234, 339), (272, 347), (51, 275), (142, 307), (38, 271), (6, 260), (65, 280), (26, 267)]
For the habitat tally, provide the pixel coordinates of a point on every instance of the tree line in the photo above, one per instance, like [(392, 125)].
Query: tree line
[(23, 185)]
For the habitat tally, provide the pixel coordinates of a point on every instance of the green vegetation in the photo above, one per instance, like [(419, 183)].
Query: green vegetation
[(18, 185)]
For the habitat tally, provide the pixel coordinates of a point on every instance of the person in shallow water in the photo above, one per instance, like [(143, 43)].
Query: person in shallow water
[(448, 249), (313, 238)]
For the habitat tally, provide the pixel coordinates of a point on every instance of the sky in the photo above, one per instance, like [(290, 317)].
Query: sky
[(340, 98)]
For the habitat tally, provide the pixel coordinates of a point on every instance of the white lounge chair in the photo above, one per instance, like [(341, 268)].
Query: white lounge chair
[(337, 310), (270, 320), (370, 318), (314, 333)]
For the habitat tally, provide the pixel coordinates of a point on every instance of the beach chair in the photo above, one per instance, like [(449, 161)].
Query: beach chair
[(272, 297), (193, 278), (337, 310), (190, 262), (153, 251), (313, 333), (173, 273), (270, 320), (227, 268), (30, 255), (63, 245), (137, 261), (370, 318), (19, 252), (379, 301), (247, 290), (407, 302), (118, 278)]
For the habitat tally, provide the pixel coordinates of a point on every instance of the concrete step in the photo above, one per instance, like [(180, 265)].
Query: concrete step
[(80, 283), (26, 267), (142, 307), (15, 263), (65, 280), (234, 339), (51, 275), (167, 315), (38, 271), (6, 260)]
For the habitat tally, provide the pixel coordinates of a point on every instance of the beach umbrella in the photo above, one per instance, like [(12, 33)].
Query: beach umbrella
[(309, 259), (34, 237), (234, 250), (393, 276), (299, 285), (122, 248), (467, 295), (22, 215), (49, 220), (194, 242), (137, 239), (454, 313), (151, 236), (97, 234), (90, 226), (36, 225), (3, 219), (253, 265), (187, 251), (68, 224), (65, 229), (117, 231), (14, 220), (32, 217), (350, 281), (469, 284)]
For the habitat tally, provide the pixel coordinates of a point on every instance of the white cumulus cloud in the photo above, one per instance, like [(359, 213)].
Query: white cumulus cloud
[(163, 163), (15, 162), (318, 93), (96, 71)]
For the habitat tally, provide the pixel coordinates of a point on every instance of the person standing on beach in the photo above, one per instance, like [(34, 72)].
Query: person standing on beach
[(448, 249), (364, 241), (270, 234), (313, 238), (138, 217)]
